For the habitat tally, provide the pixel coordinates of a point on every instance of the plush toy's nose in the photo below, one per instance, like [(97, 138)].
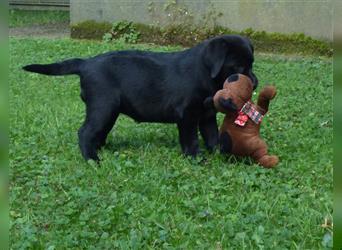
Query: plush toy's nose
[(233, 78)]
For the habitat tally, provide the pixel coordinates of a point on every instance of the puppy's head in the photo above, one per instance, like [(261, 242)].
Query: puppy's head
[(226, 55)]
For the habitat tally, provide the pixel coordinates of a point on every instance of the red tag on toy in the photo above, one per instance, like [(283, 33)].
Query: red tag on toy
[(250, 110), (241, 119)]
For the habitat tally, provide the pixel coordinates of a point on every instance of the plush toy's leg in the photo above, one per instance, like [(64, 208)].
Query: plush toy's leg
[(265, 160), (268, 161), (226, 143)]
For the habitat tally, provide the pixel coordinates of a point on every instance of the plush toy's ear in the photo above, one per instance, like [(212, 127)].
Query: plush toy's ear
[(228, 104), (215, 55), (233, 78), (209, 102)]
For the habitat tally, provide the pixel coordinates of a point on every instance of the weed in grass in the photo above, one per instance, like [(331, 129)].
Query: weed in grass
[(123, 30), (146, 195)]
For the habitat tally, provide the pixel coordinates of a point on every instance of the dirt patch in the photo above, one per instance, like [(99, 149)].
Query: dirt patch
[(58, 30)]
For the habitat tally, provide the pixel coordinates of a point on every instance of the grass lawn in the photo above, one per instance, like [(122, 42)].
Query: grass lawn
[(146, 195), (22, 18)]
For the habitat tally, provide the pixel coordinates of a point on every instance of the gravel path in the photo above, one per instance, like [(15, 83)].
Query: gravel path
[(59, 30)]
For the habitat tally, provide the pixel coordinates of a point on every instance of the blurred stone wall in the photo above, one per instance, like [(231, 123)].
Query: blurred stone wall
[(311, 17)]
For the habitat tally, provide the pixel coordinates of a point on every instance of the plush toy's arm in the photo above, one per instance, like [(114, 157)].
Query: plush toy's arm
[(266, 94)]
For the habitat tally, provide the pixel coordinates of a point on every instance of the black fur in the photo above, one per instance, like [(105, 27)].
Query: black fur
[(155, 87), (226, 143), (67, 67), (209, 103)]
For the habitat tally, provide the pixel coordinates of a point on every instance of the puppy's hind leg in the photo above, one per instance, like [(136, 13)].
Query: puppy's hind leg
[(100, 119), (209, 131), (188, 137)]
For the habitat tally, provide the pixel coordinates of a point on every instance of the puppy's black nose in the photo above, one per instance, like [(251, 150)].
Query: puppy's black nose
[(233, 78)]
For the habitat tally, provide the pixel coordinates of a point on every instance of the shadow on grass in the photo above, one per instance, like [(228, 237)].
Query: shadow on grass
[(120, 143)]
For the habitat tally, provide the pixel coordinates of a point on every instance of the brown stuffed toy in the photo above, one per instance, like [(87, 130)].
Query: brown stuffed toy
[(239, 133)]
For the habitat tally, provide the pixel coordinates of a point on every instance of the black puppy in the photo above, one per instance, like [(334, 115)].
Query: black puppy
[(155, 87)]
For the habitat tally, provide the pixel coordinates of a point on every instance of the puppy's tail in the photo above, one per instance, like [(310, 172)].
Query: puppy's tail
[(67, 67)]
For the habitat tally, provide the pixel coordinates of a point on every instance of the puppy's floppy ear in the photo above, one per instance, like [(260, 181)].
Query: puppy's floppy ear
[(215, 55)]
